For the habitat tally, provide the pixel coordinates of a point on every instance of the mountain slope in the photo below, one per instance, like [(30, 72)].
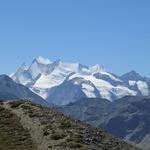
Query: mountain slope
[(90, 110), (11, 90), (12, 134), (35, 127), (127, 118), (130, 121), (91, 86)]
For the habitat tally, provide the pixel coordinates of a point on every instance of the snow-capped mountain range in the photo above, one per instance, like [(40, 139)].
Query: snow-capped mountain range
[(62, 83)]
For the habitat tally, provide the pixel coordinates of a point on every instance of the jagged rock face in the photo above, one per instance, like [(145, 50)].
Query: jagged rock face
[(35, 127)]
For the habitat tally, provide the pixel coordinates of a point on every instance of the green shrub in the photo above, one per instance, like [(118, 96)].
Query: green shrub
[(78, 138), (64, 124), (56, 136), (45, 133), (15, 104), (74, 145)]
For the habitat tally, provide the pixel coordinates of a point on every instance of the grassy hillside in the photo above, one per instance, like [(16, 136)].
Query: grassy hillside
[(26, 126)]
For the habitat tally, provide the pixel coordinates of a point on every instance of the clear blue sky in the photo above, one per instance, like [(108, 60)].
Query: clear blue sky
[(113, 33)]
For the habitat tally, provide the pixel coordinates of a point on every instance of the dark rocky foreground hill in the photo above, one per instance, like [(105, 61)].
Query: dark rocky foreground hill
[(28, 126)]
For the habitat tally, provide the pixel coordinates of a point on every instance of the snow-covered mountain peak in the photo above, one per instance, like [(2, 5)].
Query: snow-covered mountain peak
[(70, 67), (132, 75), (97, 68), (136, 81), (42, 60), (24, 66), (41, 66)]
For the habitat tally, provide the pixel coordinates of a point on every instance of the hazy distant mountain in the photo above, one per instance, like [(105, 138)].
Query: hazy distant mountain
[(11, 90), (91, 110), (127, 118), (130, 121), (62, 83)]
